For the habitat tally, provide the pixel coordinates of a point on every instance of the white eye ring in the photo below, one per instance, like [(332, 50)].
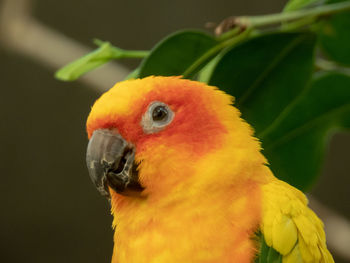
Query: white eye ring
[(157, 117)]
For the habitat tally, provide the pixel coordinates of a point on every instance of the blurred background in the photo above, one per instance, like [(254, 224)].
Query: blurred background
[(50, 211)]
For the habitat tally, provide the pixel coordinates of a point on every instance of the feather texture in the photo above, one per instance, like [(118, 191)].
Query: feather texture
[(207, 188), (290, 227)]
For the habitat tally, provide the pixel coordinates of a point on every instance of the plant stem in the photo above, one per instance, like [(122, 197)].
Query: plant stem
[(118, 53), (134, 53), (229, 34), (214, 51), (326, 65), (265, 20), (300, 23)]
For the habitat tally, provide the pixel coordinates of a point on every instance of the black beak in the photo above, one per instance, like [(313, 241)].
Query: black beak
[(110, 161)]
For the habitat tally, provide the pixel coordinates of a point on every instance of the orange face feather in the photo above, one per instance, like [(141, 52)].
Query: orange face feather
[(190, 125), (201, 198)]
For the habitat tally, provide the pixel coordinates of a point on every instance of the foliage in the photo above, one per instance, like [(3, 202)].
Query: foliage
[(287, 71)]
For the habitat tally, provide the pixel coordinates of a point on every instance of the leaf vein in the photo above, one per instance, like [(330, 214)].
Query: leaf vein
[(269, 68), (293, 133)]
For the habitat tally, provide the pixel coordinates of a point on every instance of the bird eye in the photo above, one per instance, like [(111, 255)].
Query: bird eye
[(157, 117), (159, 113)]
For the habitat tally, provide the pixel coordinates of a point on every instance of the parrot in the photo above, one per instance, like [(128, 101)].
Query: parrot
[(187, 180)]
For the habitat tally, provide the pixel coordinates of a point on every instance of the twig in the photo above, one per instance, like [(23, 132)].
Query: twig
[(266, 20)]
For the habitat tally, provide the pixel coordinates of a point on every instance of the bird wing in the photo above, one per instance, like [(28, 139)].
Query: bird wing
[(290, 231)]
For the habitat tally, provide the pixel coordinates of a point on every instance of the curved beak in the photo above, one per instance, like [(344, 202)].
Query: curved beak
[(110, 161)]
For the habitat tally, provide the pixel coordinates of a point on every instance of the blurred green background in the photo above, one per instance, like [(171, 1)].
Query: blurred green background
[(50, 209)]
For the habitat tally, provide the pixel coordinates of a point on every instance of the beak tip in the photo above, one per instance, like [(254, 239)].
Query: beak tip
[(110, 161), (97, 176)]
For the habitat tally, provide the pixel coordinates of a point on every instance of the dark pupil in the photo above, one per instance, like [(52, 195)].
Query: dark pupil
[(159, 113)]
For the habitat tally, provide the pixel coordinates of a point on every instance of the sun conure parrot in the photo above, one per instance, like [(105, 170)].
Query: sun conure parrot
[(187, 181)]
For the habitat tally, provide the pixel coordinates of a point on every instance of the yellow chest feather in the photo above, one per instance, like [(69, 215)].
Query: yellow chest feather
[(179, 231)]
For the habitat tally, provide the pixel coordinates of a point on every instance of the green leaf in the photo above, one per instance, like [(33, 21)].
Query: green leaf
[(335, 37), (273, 256), (265, 74), (96, 58), (293, 5), (263, 251), (295, 144), (206, 72), (174, 54), (267, 254)]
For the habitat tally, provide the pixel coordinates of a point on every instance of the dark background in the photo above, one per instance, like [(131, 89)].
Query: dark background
[(50, 211)]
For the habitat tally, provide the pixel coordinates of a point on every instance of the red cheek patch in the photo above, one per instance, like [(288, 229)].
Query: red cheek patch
[(194, 127)]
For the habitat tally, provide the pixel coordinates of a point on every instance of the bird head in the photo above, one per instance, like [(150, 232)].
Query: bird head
[(155, 135)]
